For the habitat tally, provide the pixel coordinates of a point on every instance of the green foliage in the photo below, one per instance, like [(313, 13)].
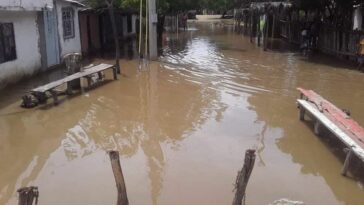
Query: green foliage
[(95, 3), (218, 5), (130, 4), (165, 6), (322, 4), (308, 4)]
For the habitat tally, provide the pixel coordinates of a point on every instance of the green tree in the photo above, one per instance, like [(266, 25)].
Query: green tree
[(166, 6), (221, 5)]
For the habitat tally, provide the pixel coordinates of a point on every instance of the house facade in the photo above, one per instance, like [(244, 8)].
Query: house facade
[(34, 35)]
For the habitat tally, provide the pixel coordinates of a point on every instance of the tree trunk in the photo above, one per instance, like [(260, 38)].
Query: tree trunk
[(115, 34)]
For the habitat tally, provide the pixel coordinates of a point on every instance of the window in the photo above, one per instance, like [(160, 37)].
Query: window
[(68, 23), (7, 42)]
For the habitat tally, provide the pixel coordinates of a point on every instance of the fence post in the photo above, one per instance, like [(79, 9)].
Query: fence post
[(243, 177), (28, 195), (119, 178)]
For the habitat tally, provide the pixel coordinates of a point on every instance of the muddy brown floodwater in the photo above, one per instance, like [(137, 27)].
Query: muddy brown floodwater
[(182, 128)]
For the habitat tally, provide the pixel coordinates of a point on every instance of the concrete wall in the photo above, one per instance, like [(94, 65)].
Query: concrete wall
[(26, 33), (71, 44)]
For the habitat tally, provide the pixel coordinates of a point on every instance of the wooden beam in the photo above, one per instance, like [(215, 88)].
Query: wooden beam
[(119, 178)]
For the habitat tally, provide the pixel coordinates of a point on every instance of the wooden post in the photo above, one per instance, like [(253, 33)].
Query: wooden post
[(302, 113), (273, 26), (259, 33), (245, 24), (153, 51), (243, 177), (266, 32), (114, 72), (349, 155), (251, 27), (110, 6), (54, 96), (289, 31), (119, 178), (28, 195), (317, 127)]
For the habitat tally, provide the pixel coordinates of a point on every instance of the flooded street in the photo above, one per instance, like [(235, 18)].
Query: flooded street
[(182, 128)]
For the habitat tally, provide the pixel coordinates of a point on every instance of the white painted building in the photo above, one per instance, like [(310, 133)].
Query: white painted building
[(34, 35), (71, 42)]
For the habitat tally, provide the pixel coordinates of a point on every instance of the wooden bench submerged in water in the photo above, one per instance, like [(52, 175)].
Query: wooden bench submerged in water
[(338, 122), (40, 93)]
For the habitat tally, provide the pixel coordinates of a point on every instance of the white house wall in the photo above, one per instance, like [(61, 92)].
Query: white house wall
[(26, 34), (25, 5), (69, 45)]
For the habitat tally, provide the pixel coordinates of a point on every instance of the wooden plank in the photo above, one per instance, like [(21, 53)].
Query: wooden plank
[(335, 114), (87, 72), (344, 137)]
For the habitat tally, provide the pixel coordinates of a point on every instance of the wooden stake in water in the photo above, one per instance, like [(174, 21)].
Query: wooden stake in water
[(28, 195), (243, 177), (119, 178)]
